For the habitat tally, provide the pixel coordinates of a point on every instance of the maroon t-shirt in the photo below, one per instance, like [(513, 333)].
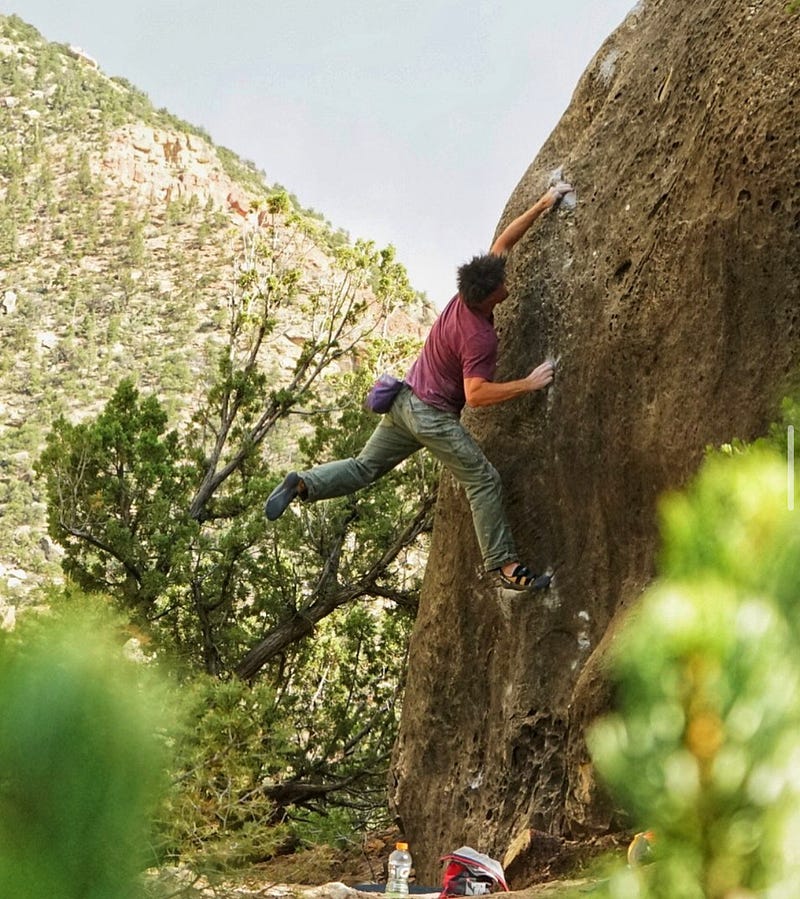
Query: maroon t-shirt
[(461, 344)]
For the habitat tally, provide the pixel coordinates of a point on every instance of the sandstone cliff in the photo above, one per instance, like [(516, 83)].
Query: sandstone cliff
[(669, 295)]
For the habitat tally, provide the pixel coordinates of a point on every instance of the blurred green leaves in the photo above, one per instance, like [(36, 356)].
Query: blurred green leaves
[(80, 765), (705, 748)]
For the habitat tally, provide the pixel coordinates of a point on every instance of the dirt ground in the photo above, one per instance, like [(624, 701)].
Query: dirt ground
[(551, 865), (555, 863)]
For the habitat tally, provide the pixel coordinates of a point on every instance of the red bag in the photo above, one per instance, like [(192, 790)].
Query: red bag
[(471, 873)]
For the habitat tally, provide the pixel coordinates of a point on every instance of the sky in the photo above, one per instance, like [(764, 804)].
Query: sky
[(408, 122)]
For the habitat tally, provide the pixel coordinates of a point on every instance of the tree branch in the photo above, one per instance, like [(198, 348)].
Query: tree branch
[(89, 538), (299, 793), (302, 623)]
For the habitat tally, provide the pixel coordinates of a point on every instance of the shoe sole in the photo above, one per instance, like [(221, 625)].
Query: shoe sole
[(542, 582), (278, 501)]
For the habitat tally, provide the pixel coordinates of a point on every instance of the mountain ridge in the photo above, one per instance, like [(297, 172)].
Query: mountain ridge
[(120, 230)]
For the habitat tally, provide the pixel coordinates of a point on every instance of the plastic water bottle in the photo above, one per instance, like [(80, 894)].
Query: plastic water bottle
[(399, 871)]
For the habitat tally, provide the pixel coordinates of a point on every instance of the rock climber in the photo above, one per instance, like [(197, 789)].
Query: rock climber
[(456, 366)]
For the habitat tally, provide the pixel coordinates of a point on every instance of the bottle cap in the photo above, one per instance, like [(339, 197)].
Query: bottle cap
[(401, 846)]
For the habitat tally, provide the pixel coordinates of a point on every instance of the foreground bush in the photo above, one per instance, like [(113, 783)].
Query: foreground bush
[(80, 764), (705, 749)]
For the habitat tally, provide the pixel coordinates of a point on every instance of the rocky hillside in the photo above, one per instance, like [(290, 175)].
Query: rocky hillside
[(669, 295), (120, 231)]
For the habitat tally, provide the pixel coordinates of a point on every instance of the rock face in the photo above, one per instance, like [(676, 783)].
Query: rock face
[(161, 166), (669, 297)]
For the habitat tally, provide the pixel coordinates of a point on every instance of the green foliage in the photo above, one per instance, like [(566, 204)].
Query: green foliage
[(313, 611), (339, 695), (171, 525), (80, 768), (16, 29), (704, 750), (244, 173), (83, 179), (113, 484), (289, 758), (230, 744)]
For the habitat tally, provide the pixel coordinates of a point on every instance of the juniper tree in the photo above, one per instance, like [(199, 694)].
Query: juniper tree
[(169, 522)]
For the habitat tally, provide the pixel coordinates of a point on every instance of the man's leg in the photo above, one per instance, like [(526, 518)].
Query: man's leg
[(386, 448), (444, 435), (389, 444)]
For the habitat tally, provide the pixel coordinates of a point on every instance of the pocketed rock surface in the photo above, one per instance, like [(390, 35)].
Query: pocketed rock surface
[(669, 298)]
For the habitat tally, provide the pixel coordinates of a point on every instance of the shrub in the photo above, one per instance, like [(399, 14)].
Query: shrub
[(705, 749), (229, 746), (80, 766)]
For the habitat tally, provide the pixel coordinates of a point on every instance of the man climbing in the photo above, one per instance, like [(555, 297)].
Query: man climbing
[(456, 366)]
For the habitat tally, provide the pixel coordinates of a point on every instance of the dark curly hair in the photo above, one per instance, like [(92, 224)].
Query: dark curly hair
[(480, 277)]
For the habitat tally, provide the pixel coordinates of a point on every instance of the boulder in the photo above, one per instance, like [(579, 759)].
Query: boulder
[(669, 296)]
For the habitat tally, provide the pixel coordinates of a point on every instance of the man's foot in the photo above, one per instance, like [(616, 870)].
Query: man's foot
[(278, 501), (516, 576)]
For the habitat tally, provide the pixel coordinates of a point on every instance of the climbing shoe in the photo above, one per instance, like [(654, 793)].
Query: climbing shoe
[(522, 578), (278, 501)]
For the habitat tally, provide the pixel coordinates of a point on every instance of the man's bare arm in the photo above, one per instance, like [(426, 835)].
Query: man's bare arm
[(480, 392), (513, 232)]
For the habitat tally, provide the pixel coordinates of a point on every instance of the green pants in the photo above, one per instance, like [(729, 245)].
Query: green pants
[(409, 426)]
